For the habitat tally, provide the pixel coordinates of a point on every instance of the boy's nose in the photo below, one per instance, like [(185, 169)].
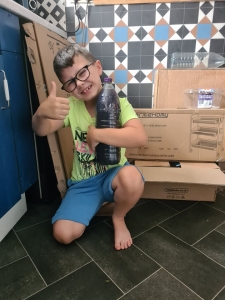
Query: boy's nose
[(79, 83)]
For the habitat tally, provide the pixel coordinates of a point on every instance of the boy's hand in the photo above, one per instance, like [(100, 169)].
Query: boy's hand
[(91, 137), (54, 107)]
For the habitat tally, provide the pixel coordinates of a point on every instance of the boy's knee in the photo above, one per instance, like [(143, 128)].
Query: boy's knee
[(65, 232), (130, 178)]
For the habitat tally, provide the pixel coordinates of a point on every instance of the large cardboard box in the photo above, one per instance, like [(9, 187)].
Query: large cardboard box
[(170, 85), (193, 181), (182, 135), (42, 45)]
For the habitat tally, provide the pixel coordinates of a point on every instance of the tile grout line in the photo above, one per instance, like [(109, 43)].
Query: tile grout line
[(167, 205), (193, 247), (220, 232), (206, 234), (32, 225), (139, 283), (30, 258), (100, 267), (159, 223), (12, 262), (183, 283), (58, 280), (209, 257), (214, 208), (178, 210), (218, 293), (34, 293), (161, 267)]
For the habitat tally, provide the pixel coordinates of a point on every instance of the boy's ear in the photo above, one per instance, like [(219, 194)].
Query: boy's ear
[(99, 66)]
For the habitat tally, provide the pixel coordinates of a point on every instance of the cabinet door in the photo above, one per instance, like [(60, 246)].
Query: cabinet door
[(10, 39), (21, 118), (9, 177)]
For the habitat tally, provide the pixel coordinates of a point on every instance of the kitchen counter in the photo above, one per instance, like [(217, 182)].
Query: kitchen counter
[(28, 15)]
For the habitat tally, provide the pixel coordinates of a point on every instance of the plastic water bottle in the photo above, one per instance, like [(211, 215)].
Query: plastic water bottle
[(196, 60), (107, 116)]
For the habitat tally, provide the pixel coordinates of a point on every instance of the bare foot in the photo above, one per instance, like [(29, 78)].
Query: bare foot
[(123, 238)]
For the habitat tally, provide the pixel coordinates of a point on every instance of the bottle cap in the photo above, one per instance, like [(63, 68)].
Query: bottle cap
[(108, 79)]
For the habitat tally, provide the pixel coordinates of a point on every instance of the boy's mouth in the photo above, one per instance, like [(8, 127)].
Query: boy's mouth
[(86, 90)]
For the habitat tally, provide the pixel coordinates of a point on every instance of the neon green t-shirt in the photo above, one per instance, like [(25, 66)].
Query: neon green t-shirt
[(84, 162)]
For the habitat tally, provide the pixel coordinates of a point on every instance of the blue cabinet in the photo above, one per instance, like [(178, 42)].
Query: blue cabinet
[(18, 169)]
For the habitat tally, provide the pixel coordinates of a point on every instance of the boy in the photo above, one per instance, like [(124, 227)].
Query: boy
[(91, 184)]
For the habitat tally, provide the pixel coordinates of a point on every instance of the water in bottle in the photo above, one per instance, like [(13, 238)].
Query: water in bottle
[(196, 60), (107, 116)]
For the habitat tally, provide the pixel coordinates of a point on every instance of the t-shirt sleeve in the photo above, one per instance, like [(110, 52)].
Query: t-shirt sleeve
[(127, 111)]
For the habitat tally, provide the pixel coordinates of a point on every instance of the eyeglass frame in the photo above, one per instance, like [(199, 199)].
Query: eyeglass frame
[(75, 77)]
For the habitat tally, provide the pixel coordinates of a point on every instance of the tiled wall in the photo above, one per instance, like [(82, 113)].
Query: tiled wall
[(132, 41)]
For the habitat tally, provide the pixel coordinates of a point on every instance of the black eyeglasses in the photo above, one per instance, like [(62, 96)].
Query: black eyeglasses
[(81, 75)]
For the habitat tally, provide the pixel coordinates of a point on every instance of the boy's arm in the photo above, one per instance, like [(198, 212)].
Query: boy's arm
[(131, 135), (50, 115)]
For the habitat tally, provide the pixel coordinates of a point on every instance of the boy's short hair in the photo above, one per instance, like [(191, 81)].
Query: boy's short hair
[(64, 57)]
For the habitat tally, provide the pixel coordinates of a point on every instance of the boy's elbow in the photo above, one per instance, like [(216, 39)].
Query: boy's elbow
[(143, 140)]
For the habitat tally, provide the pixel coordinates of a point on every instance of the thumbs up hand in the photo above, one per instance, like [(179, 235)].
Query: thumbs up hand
[(55, 108)]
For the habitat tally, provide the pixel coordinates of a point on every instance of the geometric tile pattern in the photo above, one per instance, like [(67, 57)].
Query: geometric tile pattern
[(133, 41), (177, 253), (52, 11)]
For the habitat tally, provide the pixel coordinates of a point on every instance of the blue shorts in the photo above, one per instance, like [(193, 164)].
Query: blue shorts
[(84, 198)]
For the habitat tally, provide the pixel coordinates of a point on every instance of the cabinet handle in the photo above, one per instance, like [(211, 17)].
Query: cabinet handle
[(6, 89)]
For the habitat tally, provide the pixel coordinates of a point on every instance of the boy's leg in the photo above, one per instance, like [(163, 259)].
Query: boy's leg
[(66, 231), (128, 187), (82, 201)]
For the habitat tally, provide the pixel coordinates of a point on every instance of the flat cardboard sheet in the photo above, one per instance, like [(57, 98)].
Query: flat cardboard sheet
[(197, 182), (170, 85), (42, 45), (182, 135)]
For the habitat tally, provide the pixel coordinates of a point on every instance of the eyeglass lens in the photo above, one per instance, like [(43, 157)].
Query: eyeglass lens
[(82, 75)]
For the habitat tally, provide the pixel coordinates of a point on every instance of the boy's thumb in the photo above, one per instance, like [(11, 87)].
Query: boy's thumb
[(53, 89)]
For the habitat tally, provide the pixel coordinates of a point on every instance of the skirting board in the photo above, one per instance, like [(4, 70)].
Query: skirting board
[(8, 221)]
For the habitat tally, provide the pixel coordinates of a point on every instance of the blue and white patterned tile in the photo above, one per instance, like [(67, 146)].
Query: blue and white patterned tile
[(121, 65), (164, 47), (220, 34), (190, 35), (148, 37), (148, 76), (202, 15)]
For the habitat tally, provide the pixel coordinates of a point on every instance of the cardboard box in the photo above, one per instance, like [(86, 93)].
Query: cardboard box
[(182, 135), (169, 85), (42, 45), (195, 182)]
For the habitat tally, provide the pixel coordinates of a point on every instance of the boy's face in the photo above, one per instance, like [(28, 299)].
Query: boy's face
[(90, 88)]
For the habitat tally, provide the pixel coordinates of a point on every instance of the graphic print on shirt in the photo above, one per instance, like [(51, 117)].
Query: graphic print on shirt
[(86, 156)]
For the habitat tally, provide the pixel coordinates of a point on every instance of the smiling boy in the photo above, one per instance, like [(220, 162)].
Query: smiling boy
[(91, 184)]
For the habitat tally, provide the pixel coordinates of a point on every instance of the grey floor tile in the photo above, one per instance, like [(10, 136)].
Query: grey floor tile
[(126, 268), (52, 259), (194, 269), (219, 203), (221, 295), (142, 217), (161, 286), (88, 282), (213, 245), (221, 229), (10, 249), (19, 280), (37, 213), (194, 223), (177, 204)]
